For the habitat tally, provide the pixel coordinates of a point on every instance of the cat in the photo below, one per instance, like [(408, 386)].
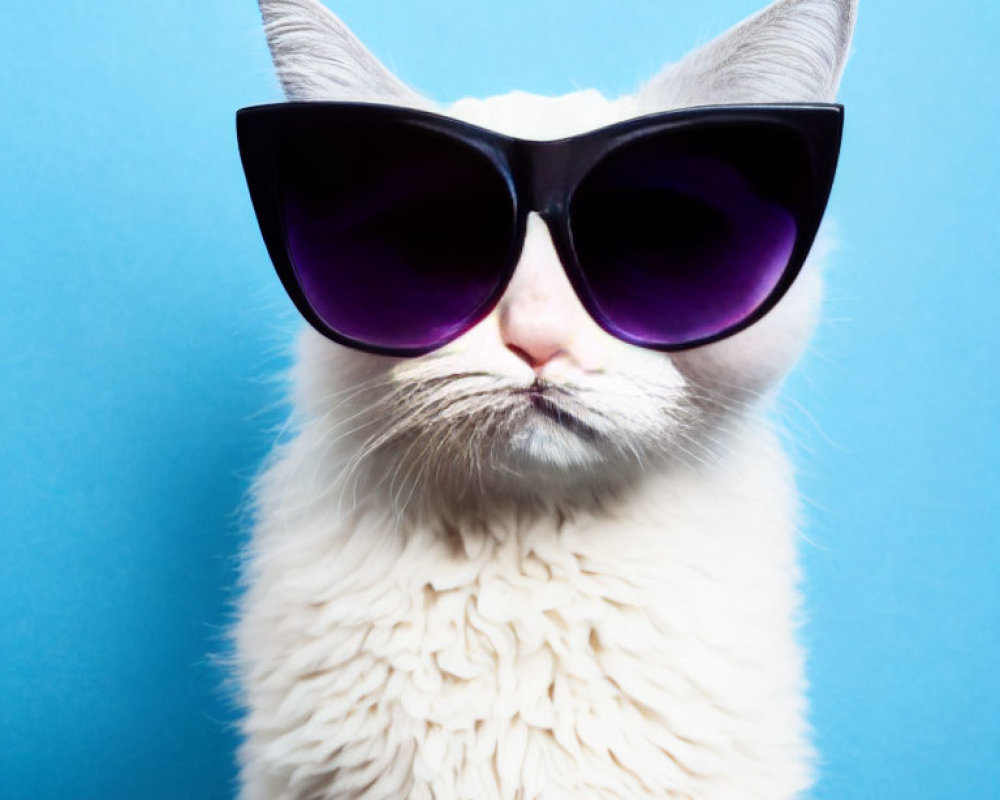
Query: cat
[(451, 595)]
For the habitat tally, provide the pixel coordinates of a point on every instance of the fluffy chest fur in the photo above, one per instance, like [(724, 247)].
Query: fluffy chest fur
[(642, 649)]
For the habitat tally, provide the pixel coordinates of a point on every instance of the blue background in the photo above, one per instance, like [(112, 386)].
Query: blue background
[(141, 326)]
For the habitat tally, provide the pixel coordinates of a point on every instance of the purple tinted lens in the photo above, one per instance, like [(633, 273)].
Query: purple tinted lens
[(682, 237), (399, 236)]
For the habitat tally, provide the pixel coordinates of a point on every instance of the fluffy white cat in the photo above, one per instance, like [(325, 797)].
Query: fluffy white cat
[(451, 595)]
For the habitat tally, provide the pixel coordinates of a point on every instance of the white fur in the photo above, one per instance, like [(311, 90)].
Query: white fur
[(452, 595)]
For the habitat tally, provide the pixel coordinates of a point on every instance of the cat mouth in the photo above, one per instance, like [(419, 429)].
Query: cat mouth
[(542, 400)]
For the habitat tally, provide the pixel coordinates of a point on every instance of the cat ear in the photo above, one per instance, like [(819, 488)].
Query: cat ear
[(318, 58), (792, 51)]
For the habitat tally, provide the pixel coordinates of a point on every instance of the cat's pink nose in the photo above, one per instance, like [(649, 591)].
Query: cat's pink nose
[(539, 315), (538, 356), (534, 328)]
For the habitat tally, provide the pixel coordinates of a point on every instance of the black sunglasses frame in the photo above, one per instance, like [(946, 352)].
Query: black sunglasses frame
[(542, 177)]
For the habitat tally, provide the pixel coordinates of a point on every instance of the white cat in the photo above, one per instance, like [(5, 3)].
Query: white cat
[(451, 596)]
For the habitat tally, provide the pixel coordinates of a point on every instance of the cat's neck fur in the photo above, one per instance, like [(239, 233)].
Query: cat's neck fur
[(561, 653)]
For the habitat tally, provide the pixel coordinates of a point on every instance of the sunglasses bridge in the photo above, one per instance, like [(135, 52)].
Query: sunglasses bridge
[(539, 172)]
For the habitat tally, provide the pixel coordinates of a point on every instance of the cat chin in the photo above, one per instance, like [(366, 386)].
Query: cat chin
[(543, 447), (534, 462)]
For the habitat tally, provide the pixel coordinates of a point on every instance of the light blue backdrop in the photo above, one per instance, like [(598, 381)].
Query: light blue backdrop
[(140, 324)]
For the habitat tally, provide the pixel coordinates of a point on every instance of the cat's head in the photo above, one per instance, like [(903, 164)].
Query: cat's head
[(461, 422)]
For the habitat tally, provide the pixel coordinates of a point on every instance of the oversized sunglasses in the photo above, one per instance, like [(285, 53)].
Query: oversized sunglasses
[(395, 230)]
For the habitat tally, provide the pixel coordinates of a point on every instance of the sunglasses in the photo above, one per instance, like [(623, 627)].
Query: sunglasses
[(395, 231)]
